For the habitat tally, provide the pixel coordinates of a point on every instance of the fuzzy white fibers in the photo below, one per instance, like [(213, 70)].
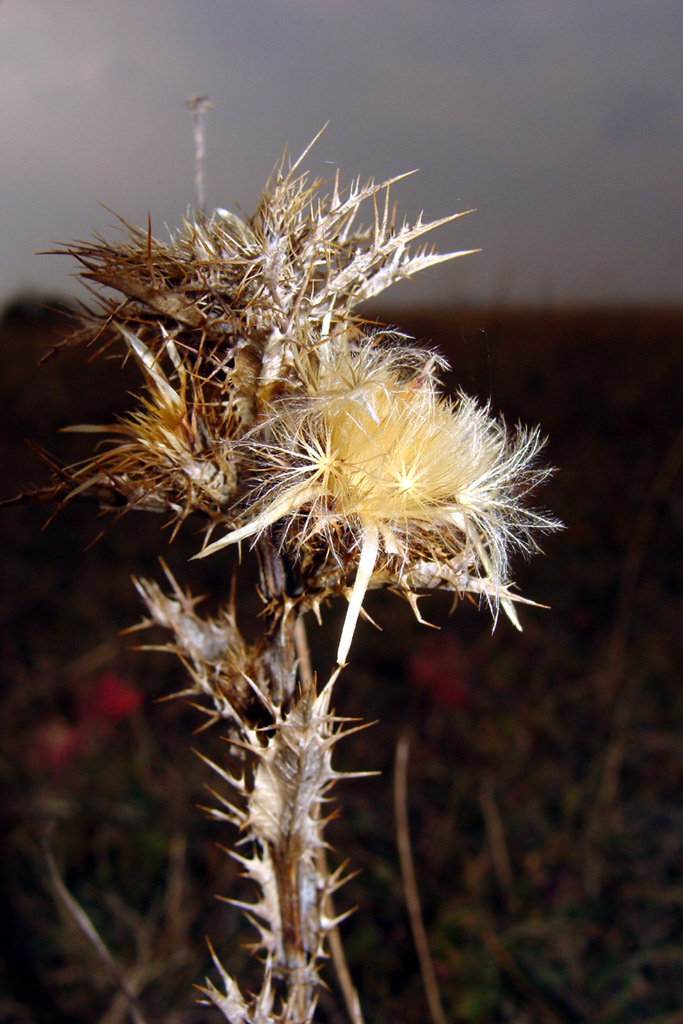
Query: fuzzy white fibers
[(368, 448)]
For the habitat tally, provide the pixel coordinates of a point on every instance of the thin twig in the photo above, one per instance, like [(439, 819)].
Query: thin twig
[(505, 960), (410, 883), (198, 107), (495, 833), (341, 967), (87, 928), (612, 762)]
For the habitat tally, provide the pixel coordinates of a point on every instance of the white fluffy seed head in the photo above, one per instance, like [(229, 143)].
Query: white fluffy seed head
[(370, 455)]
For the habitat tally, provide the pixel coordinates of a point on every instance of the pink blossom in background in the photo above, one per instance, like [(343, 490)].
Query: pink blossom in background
[(111, 699), (57, 743)]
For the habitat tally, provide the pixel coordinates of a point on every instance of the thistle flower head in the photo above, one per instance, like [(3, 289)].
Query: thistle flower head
[(389, 474), (271, 409)]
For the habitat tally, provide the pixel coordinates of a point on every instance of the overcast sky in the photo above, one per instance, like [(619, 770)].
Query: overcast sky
[(560, 121)]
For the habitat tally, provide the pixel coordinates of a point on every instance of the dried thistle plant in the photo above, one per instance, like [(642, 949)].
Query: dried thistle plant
[(271, 410)]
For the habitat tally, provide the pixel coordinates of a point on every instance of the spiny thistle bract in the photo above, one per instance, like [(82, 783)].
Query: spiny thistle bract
[(273, 411)]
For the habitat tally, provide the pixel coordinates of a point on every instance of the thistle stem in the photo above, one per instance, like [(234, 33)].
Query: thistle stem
[(348, 990)]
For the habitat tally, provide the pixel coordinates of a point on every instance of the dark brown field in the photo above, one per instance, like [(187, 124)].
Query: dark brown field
[(546, 778)]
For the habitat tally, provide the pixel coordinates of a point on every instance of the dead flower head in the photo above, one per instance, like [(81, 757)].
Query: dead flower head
[(270, 408)]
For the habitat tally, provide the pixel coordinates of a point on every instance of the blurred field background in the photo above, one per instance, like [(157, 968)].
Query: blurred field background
[(546, 768)]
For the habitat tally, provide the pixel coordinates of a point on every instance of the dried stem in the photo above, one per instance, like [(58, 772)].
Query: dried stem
[(410, 882), (199, 106), (349, 992), (495, 832), (87, 928)]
